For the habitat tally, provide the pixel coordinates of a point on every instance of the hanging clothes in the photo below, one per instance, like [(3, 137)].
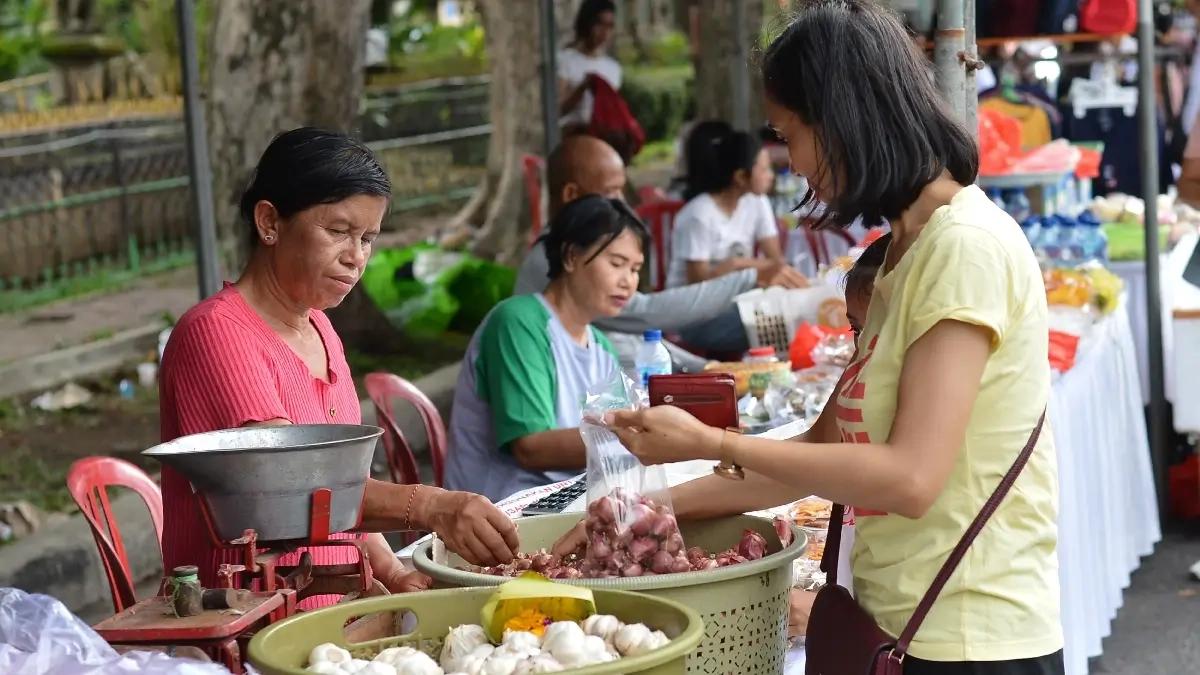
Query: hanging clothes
[(612, 120), (1035, 123), (1120, 165)]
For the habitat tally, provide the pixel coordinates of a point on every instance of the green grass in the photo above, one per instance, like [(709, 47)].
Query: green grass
[(27, 477), (411, 361), (655, 152)]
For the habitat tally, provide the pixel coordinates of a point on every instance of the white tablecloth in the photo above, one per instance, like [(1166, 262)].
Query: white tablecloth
[(1134, 275), (1108, 513)]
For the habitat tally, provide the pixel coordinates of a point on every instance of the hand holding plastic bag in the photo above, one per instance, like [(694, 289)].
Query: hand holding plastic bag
[(631, 527), (39, 636)]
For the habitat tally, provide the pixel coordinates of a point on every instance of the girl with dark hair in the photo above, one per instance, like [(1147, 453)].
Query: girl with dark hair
[(951, 377), (586, 56), (261, 352), (516, 406), (728, 214)]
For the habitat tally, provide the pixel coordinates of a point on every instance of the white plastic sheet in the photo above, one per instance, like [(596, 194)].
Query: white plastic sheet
[(39, 636)]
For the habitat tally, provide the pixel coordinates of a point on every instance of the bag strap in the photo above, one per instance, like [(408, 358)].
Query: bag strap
[(833, 541), (968, 537)]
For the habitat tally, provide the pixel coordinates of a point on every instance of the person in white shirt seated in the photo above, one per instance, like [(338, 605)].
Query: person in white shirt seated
[(586, 55), (727, 225)]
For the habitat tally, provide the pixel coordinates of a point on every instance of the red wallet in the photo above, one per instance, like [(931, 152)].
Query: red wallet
[(709, 397)]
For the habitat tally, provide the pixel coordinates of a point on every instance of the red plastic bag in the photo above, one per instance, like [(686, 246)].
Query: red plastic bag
[(999, 142), (612, 121), (807, 337), (1063, 347), (1184, 488), (1108, 17)]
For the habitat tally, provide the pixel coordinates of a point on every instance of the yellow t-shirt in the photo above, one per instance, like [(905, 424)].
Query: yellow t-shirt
[(971, 263)]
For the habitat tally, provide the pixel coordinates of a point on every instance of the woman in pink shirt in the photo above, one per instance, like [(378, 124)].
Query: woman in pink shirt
[(262, 352)]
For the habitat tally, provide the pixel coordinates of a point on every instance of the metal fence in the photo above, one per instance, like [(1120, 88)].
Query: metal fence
[(108, 202)]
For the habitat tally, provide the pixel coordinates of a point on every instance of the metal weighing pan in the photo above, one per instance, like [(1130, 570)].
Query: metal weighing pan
[(263, 478)]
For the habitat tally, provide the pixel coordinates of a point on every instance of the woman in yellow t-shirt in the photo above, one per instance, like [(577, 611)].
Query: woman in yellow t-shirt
[(951, 375)]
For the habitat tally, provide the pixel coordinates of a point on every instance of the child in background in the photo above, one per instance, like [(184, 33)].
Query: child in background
[(860, 281)]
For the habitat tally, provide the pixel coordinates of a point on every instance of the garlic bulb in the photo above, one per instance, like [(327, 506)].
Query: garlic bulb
[(376, 668), (326, 668), (354, 666), (392, 655), (518, 652), (630, 637), (418, 664), (499, 664), (472, 664), (327, 652), (543, 663), (565, 642), (658, 640), (595, 650), (602, 625), (521, 640), (461, 641)]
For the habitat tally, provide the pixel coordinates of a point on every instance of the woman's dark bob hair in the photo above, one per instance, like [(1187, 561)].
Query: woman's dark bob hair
[(588, 15), (305, 167), (850, 70), (585, 222), (714, 156)]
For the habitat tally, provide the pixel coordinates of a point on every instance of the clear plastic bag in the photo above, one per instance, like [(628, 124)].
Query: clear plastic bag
[(40, 636), (630, 522)]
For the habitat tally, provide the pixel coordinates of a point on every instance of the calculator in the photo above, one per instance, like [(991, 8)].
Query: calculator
[(556, 501)]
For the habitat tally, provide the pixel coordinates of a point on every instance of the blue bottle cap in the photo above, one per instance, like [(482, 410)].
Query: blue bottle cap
[(652, 335)]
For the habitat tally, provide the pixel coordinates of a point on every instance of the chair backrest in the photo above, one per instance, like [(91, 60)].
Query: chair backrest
[(532, 167), (384, 388), (88, 481), (820, 242), (660, 218)]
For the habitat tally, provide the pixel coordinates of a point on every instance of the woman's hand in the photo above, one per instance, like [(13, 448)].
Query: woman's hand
[(665, 434), (572, 542), (472, 527), (401, 580), (800, 606)]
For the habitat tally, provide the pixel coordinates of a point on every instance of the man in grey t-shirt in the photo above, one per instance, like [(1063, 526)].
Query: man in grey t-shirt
[(583, 165)]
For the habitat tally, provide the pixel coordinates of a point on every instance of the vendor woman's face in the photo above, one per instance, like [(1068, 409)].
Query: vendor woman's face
[(804, 153), (320, 253), (606, 284)]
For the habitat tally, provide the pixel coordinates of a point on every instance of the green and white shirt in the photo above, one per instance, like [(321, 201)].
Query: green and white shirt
[(523, 374)]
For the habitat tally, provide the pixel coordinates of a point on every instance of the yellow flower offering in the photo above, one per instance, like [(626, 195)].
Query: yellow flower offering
[(529, 620), (531, 602)]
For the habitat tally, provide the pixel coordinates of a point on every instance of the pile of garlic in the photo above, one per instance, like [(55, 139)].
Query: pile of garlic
[(467, 651)]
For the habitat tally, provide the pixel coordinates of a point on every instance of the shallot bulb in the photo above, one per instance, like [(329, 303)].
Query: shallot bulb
[(753, 545)]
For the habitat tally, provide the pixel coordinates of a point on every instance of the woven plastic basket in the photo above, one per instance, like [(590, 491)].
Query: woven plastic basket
[(771, 315), (283, 648), (744, 606)]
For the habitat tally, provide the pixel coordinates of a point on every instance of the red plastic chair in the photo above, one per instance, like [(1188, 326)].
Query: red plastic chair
[(88, 481), (533, 167), (660, 218), (650, 194), (384, 388)]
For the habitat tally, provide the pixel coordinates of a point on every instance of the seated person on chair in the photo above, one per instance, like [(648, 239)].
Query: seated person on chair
[(727, 214), (582, 165), (532, 361)]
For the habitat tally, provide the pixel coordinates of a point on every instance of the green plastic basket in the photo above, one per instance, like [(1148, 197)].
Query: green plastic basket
[(283, 648), (744, 607)]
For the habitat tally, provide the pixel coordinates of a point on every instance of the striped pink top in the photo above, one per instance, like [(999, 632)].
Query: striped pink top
[(225, 367)]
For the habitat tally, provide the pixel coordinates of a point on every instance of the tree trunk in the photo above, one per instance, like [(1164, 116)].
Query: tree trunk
[(718, 63), (275, 66), (498, 213)]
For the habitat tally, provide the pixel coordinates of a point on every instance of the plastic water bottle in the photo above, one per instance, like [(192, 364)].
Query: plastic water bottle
[(1071, 240), (1018, 205), (1093, 239), (652, 357), (1049, 237), (997, 199), (125, 388)]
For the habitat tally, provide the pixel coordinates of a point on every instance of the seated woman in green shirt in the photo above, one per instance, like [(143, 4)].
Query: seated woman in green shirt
[(529, 365)]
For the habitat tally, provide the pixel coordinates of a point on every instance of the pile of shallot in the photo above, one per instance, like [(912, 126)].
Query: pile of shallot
[(634, 537)]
